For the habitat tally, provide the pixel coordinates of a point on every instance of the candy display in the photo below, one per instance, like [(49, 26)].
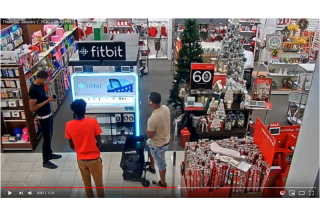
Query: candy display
[(203, 168)]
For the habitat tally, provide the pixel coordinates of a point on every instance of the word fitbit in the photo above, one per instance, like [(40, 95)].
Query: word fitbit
[(101, 52), (90, 85)]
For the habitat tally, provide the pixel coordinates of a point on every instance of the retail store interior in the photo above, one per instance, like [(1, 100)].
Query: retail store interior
[(251, 62)]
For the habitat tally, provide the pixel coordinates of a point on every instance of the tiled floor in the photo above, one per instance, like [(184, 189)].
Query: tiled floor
[(25, 170)]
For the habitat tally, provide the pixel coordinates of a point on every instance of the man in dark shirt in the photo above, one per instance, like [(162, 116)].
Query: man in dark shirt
[(39, 103)]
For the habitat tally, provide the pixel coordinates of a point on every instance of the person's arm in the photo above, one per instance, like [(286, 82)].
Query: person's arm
[(33, 101), (67, 135), (97, 132), (151, 128)]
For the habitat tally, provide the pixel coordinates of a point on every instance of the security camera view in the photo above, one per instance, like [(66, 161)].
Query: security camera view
[(148, 124)]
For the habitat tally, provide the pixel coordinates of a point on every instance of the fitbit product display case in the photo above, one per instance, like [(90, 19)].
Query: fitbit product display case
[(110, 87), (113, 100)]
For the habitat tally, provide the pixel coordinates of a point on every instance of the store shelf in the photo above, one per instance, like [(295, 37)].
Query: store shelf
[(294, 120), (285, 75), (14, 120), (16, 146), (46, 53), (235, 107), (157, 37), (246, 44), (255, 22), (247, 32)]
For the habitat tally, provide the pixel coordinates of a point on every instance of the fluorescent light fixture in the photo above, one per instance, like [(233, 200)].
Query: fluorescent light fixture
[(136, 90)]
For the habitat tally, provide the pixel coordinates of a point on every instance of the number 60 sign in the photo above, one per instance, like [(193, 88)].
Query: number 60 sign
[(201, 76)]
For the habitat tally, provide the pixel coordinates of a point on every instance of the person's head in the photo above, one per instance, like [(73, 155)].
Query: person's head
[(79, 107), (42, 77), (154, 99)]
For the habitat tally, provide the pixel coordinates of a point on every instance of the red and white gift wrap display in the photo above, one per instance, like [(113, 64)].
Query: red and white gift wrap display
[(204, 169)]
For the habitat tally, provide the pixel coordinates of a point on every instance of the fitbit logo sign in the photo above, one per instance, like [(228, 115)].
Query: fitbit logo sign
[(90, 86), (102, 50)]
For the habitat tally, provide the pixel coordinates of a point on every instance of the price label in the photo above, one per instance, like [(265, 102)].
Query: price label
[(201, 76)]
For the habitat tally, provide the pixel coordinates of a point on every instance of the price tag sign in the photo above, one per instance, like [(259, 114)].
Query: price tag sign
[(201, 76)]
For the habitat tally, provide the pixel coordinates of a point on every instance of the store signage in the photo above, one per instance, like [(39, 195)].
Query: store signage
[(8, 57), (102, 50), (274, 41), (261, 90), (139, 20), (201, 76), (90, 85), (289, 129), (274, 128)]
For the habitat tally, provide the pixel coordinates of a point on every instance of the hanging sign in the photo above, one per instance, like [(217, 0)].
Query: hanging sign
[(139, 20), (102, 50), (274, 41), (8, 57), (201, 76)]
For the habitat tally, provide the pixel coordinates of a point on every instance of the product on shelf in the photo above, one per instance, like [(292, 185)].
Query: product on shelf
[(203, 168)]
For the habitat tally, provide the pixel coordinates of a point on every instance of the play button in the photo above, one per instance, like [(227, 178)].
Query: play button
[(9, 193)]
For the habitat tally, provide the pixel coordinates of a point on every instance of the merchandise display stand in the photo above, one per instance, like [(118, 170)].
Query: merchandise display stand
[(298, 100), (247, 31), (141, 28), (158, 39), (120, 26), (110, 86), (216, 179), (15, 111), (16, 82)]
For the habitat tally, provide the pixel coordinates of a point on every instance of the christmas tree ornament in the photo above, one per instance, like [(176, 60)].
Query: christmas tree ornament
[(211, 107), (221, 111)]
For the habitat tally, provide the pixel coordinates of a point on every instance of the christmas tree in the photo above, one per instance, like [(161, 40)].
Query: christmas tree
[(216, 123), (190, 52), (233, 55), (221, 110)]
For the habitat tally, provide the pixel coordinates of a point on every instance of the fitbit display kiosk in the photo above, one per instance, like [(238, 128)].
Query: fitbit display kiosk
[(106, 76)]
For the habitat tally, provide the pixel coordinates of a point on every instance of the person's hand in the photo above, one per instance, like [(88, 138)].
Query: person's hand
[(50, 99)]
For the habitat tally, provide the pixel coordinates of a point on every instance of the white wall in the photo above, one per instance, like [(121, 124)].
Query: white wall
[(305, 162)]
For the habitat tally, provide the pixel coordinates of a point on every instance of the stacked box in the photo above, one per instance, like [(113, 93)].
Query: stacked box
[(98, 31)]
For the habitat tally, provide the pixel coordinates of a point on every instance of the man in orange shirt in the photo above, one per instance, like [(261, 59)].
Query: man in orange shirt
[(84, 138)]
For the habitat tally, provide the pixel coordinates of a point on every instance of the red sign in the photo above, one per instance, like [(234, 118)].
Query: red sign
[(261, 90), (201, 76), (274, 125), (265, 141)]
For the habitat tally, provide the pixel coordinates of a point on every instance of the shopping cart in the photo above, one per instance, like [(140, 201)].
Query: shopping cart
[(133, 161)]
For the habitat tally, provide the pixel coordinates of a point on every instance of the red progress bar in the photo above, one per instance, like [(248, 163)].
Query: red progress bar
[(90, 187)]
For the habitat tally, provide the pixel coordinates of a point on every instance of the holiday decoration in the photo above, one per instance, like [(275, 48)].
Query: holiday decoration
[(234, 57), (190, 52), (211, 107), (228, 96), (221, 110), (203, 124), (216, 123), (217, 87)]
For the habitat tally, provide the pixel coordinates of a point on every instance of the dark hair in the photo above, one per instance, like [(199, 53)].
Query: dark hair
[(42, 75), (79, 107), (155, 98)]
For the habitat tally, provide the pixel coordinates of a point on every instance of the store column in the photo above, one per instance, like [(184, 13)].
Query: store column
[(305, 162)]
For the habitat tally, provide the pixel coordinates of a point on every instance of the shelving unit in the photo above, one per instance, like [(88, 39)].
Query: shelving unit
[(159, 40), (248, 35), (15, 112), (115, 24), (298, 100), (141, 28), (20, 115)]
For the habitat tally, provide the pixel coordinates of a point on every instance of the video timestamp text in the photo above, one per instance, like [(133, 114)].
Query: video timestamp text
[(30, 21)]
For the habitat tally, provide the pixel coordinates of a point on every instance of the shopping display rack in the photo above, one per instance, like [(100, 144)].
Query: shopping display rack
[(133, 161)]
